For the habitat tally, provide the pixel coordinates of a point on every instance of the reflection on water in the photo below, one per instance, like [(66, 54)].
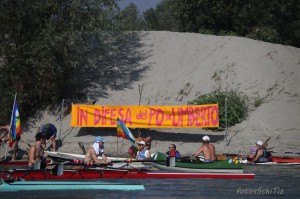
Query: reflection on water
[(283, 181)]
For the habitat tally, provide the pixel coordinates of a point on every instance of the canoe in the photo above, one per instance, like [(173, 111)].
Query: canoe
[(188, 165), (63, 185), (72, 156), (275, 160), (113, 173), (285, 159), (117, 161)]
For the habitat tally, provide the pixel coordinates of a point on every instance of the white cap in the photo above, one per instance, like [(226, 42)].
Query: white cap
[(142, 142), (260, 143), (206, 138)]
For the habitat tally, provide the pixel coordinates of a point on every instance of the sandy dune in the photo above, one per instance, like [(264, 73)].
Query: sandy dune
[(174, 68)]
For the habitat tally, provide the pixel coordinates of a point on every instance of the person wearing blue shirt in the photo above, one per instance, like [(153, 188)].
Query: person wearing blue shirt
[(49, 131)]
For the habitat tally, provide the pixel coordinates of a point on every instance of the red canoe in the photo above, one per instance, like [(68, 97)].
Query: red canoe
[(107, 173), (14, 163), (284, 159)]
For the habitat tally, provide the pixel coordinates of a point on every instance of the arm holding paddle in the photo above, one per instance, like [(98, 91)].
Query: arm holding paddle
[(256, 157), (95, 150)]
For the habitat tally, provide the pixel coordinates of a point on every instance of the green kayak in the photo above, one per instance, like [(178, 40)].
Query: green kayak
[(161, 161)]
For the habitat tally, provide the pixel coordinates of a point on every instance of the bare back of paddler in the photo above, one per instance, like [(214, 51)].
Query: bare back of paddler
[(208, 150), (97, 149), (36, 150)]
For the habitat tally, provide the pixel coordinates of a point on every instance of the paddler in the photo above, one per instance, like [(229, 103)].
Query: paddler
[(207, 149), (97, 149), (261, 154), (143, 153), (36, 150)]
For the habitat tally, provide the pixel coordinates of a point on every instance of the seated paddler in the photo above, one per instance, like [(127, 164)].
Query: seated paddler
[(97, 149), (207, 149), (172, 151), (261, 154)]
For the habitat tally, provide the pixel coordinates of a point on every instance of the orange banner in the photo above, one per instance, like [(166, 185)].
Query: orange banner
[(195, 116)]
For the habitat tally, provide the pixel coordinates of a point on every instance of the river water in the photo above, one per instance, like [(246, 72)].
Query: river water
[(270, 182)]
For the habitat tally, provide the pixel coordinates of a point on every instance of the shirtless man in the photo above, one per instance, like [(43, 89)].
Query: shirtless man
[(36, 150), (4, 137), (207, 149), (97, 149)]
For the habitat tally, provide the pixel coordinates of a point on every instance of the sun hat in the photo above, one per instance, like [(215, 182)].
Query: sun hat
[(99, 139), (142, 142), (206, 138), (260, 143)]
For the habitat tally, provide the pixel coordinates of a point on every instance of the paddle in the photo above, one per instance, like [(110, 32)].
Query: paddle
[(76, 162), (265, 144)]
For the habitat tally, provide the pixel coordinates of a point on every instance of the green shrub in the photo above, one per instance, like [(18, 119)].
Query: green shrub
[(237, 106)]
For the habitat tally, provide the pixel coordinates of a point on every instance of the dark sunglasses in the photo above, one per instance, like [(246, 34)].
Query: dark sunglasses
[(140, 144)]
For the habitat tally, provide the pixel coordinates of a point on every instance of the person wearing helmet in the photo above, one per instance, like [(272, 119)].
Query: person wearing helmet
[(97, 149), (207, 149), (261, 154)]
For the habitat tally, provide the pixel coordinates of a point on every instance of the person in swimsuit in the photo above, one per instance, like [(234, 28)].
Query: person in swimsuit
[(207, 149), (97, 149), (36, 150)]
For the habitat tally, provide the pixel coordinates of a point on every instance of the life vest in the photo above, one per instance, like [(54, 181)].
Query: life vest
[(173, 153), (264, 157)]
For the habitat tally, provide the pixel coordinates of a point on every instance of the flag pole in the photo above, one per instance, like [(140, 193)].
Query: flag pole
[(117, 142), (9, 132)]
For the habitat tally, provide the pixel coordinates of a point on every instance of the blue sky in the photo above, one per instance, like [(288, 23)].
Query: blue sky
[(142, 5)]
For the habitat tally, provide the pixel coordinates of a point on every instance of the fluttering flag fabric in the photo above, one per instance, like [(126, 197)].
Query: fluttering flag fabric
[(16, 123), (124, 132)]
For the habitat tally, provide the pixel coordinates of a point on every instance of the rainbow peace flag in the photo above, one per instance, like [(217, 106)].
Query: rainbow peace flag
[(124, 132), (16, 123)]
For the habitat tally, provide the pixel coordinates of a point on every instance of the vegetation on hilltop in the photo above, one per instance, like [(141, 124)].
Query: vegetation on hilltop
[(47, 46)]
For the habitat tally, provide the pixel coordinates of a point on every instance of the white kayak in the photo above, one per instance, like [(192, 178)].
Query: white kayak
[(117, 161)]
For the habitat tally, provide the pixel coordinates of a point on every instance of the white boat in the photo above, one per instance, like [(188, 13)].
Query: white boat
[(117, 161), (73, 156)]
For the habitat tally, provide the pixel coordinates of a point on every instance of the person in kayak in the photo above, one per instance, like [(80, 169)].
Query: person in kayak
[(143, 153), (207, 149), (172, 151), (132, 150), (261, 154), (36, 150), (97, 149)]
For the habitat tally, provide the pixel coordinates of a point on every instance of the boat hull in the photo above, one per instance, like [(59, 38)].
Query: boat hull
[(14, 163), (104, 173), (284, 159), (62, 185), (196, 167)]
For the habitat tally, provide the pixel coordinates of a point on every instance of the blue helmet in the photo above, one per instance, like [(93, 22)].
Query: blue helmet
[(99, 139)]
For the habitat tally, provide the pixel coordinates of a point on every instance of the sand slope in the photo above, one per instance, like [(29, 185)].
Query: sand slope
[(176, 68)]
